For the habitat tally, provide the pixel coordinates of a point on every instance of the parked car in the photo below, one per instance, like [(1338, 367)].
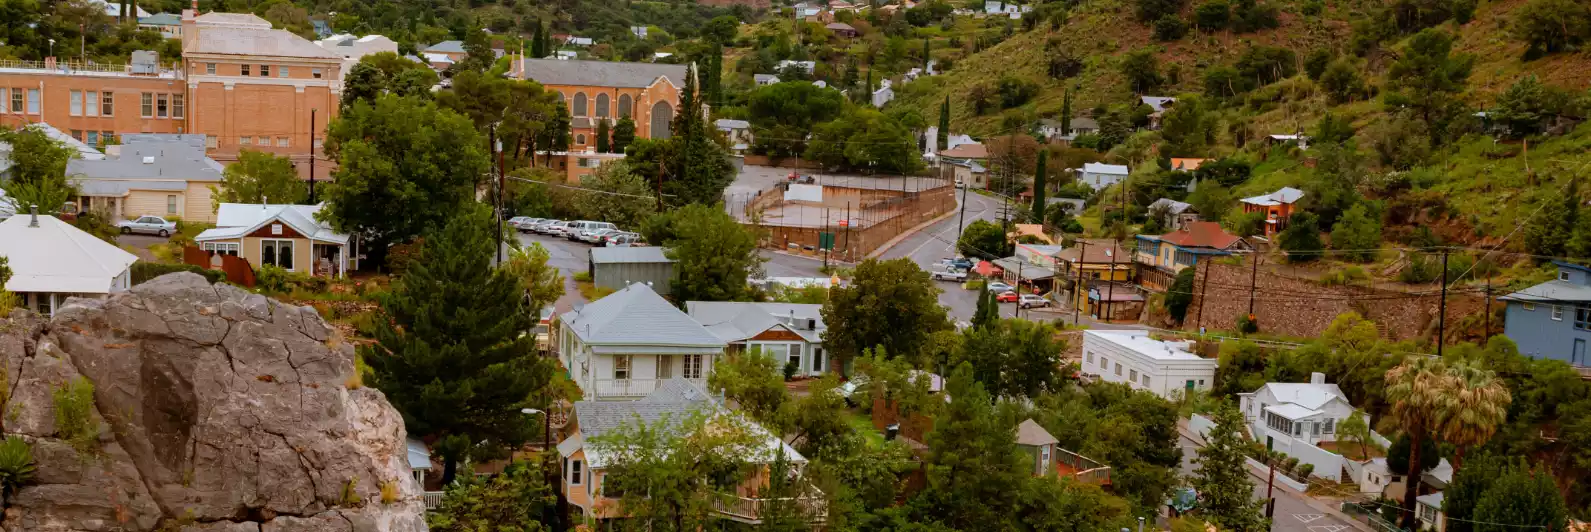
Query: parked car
[(997, 286), (149, 225), (1007, 297), (1030, 301), (621, 239), (522, 223), (949, 275), (560, 228), (544, 226), (961, 263), (594, 236)]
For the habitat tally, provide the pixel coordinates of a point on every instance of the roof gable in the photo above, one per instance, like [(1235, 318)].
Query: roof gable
[(57, 257), (1201, 235), (638, 316)]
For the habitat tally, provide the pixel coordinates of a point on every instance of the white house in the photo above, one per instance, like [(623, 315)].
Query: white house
[(579, 41), (289, 237), (790, 332), (1281, 413), (51, 261), (737, 131), (1167, 369), (1428, 508), (765, 79), (808, 66), (883, 95), (1014, 11), (624, 345), (1100, 175)]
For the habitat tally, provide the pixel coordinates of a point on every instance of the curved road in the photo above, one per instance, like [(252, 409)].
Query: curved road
[(938, 241)]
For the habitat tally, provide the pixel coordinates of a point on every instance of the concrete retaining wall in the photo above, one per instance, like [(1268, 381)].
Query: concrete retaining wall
[(1328, 465)]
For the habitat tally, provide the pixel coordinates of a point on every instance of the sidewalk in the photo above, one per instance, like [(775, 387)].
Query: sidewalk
[(1283, 490)]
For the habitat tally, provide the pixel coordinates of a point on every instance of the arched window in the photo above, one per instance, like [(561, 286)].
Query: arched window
[(560, 96), (580, 139), (580, 104), (624, 106), (602, 105), (662, 114)]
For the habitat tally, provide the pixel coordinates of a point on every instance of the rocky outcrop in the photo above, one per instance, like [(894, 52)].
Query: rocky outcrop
[(215, 409)]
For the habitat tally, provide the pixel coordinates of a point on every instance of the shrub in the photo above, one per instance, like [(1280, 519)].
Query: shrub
[(1316, 62), (583, 277), (1421, 269), (1290, 463), (276, 280), (389, 492), (1170, 28), (144, 271), (1213, 15), (1313, 8), (350, 493), (74, 415), (1347, 276), (1248, 324), (1304, 471), (1180, 295), (790, 369), (16, 466)]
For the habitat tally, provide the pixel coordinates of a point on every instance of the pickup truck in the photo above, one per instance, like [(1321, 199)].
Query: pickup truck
[(949, 275)]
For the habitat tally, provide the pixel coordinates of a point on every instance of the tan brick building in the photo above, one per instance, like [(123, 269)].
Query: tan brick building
[(91, 102), (598, 91)]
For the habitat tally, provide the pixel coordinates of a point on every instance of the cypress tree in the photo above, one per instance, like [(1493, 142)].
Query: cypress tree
[(927, 45), (603, 144), (535, 41), (944, 124), (700, 167), (1066, 112), (1039, 186), (450, 353)]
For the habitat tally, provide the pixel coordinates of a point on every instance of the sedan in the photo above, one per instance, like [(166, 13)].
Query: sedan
[(1007, 297), (522, 223), (544, 226), (997, 286), (558, 229), (1030, 301), (149, 225), (595, 236)]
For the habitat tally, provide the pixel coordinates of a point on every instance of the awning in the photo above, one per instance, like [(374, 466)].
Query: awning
[(1025, 271), (986, 269)]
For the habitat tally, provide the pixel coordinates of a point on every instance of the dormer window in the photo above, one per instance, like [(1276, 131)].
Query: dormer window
[(1563, 275)]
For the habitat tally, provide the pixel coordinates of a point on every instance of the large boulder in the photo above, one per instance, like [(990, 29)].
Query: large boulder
[(216, 410)]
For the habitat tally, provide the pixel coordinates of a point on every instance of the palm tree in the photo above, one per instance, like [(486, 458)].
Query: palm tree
[(1480, 405), (1419, 390)]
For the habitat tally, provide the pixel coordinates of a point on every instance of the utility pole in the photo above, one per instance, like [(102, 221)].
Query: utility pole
[(1082, 257), (1270, 490), (502, 181), (830, 249), (1488, 308), (1110, 282), (312, 156), (1199, 322), (1018, 313), (1253, 280), (1441, 320), (848, 256), (962, 221)]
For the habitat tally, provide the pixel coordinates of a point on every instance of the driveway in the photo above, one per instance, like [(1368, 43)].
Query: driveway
[(139, 245)]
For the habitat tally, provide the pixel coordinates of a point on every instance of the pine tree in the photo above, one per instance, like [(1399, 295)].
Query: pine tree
[(623, 134), (603, 139), (450, 350), (1226, 494), (1039, 186), (535, 41), (944, 125), (700, 170), (1066, 112)]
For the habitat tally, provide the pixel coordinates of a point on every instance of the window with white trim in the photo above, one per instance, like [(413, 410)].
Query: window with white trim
[(209, 68), (1104, 363), (162, 109), (245, 69), (575, 473), (224, 248), (147, 105), (177, 106), (1132, 375), (1557, 313), (277, 253), (16, 100), (1146, 380), (282, 142), (621, 367), (1528, 306), (34, 101), (74, 103), (107, 103), (693, 366), (281, 72), (265, 71), (1090, 355), (171, 204), (1330, 427), (314, 73), (1118, 369), (91, 103), (245, 141)]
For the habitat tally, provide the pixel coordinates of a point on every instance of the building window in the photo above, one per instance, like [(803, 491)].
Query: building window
[(92, 139), (177, 106), (574, 472), (245, 69), (817, 359), (1529, 307), (624, 106), (1104, 363), (265, 71), (1563, 276), (1146, 380), (77, 134), (209, 68), (33, 101), (315, 73), (281, 72), (1090, 356), (245, 141), (107, 103), (693, 367), (75, 103), (1331, 426), (211, 142), (794, 356), (45, 305), (602, 105), (1132, 376), (171, 204), (282, 142), (580, 104), (224, 248), (107, 137), (16, 100), (277, 253), (91, 103), (162, 103), (4, 98), (580, 140), (147, 107), (1582, 318), (621, 367), (1118, 369), (1557, 313)]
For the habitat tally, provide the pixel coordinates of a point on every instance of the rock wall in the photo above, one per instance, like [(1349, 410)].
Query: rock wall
[(216, 410)]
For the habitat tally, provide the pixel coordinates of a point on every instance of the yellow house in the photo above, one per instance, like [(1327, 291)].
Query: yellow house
[(149, 174), (586, 459), (1089, 263), (286, 236)]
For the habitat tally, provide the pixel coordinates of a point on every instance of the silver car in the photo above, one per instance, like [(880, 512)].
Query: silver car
[(1030, 301), (522, 223), (149, 225), (542, 226), (560, 228)]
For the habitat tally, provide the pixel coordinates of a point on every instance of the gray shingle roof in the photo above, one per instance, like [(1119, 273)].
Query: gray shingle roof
[(1031, 434), (736, 321), (1175, 206), (169, 156), (1552, 291), (630, 255), (447, 47), (602, 73), (637, 316), (673, 400)]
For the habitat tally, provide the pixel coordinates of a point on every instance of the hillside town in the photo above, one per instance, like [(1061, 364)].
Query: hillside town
[(1066, 265)]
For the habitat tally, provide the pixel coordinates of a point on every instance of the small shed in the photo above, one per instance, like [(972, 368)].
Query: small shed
[(1038, 444), (616, 268)]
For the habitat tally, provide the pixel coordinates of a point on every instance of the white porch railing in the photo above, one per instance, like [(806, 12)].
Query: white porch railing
[(750, 509), (617, 388), (433, 499)]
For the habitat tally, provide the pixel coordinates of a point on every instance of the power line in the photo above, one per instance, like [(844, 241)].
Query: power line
[(583, 189)]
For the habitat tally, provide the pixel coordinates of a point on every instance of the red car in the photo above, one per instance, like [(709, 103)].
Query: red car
[(1007, 297)]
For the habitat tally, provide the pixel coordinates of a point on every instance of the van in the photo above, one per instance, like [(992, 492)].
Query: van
[(572, 231), (593, 231)]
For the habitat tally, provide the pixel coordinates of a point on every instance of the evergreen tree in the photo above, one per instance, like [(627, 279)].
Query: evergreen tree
[(1549, 231), (1301, 238), (1066, 112), (1470, 484), (700, 171), (1522, 498), (974, 463), (450, 350), (944, 124), (535, 42), (604, 144), (1040, 187), (1180, 295), (623, 134), (1226, 494), (927, 54), (988, 310)]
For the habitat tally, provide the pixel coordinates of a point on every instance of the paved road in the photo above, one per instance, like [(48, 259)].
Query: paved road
[(938, 241), (1292, 513), (569, 257)]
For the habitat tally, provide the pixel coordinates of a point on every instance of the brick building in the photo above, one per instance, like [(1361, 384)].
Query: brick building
[(596, 91)]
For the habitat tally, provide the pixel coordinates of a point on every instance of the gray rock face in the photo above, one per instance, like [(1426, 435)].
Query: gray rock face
[(217, 410)]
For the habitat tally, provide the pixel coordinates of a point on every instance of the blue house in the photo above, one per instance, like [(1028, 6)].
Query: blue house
[(1553, 319)]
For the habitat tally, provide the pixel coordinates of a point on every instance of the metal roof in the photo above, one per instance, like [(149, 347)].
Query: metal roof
[(57, 257), (1106, 169), (629, 255), (1291, 411), (1308, 395), (1285, 195), (1024, 269), (446, 47), (734, 321), (246, 40), (601, 73), (637, 316), (671, 403), (155, 157), (1551, 291)]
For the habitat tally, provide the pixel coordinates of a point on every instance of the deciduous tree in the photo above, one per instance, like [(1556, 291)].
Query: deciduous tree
[(889, 303), (260, 177), (613, 193), (713, 253)]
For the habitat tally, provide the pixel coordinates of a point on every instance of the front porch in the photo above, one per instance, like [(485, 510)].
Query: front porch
[(751, 510), (628, 389)]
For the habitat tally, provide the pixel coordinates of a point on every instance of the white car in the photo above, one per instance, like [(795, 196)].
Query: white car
[(1030, 301), (149, 225), (949, 275), (593, 235), (558, 229), (998, 287), (522, 223)]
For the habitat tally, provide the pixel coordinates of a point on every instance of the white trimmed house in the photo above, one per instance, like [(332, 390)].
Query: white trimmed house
[(1167, 369), (51, 261), (623, 346), (1280, 414), (787, 331), (285, 236)]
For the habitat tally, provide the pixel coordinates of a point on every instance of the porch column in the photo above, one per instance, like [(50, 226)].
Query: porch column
[(342, 261)]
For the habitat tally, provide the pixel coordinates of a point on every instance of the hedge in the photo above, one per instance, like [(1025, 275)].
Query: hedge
[(144, 271)]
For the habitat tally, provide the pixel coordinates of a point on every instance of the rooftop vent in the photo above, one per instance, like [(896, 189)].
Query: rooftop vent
[(149, 159)]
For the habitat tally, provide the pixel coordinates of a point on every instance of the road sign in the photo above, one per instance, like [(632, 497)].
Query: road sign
[(845, 222)]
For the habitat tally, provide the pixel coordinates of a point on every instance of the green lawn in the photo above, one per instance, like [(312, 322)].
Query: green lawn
[(864, 425)]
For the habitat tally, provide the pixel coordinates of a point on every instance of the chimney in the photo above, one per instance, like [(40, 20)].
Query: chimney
[(1317, 378), (34, 222)]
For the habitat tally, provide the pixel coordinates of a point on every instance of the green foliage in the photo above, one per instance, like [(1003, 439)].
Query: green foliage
[(37, 175), (1250, 16), (1213, 15), (1301, 238), (541, 282), (1149, 10), (1015, 91), (1040, 187), (752, 380), (400, 155), (1356, 428), (628, 199), (260, 177), (143, 271), (1170, 28), (1550, 26), (1134, 432), (386, 73), (891, 304), (1248, 324), (1180, 295), (517, 500), (1428, 77), (1527, 106), (1266, 64), (449, 350), (1141, 69), (713, 253), (1012, 358), (74, 415), (1549, 231), (1357, 234), (623, 134), (670, 472), (1342, 82), (984, 239), (1316, 62), (16, 466), (973, 460), (1522, 497), (865, 139), (1226, 494), (782, 113), (273, 279), (604, 138)]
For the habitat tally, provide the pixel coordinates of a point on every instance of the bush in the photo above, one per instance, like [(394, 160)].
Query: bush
[(1420, 270), (1015, 91), (1180, 295), (273, 279), (74, 415), (16, 466), (144, 271), (1316, 62), (1248, 324), (1347, 276), (1313, 8), (790, 369), (1170, 28), (1290, 463), (1213, 15), (583, 277), (1303, 471)]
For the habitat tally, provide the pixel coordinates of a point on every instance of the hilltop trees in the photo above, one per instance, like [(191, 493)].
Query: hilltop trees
[(1550, 26), (1428, 77)]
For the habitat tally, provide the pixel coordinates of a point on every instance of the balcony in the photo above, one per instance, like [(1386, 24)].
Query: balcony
[(751, 510), (631, 388), (1083, 468)]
